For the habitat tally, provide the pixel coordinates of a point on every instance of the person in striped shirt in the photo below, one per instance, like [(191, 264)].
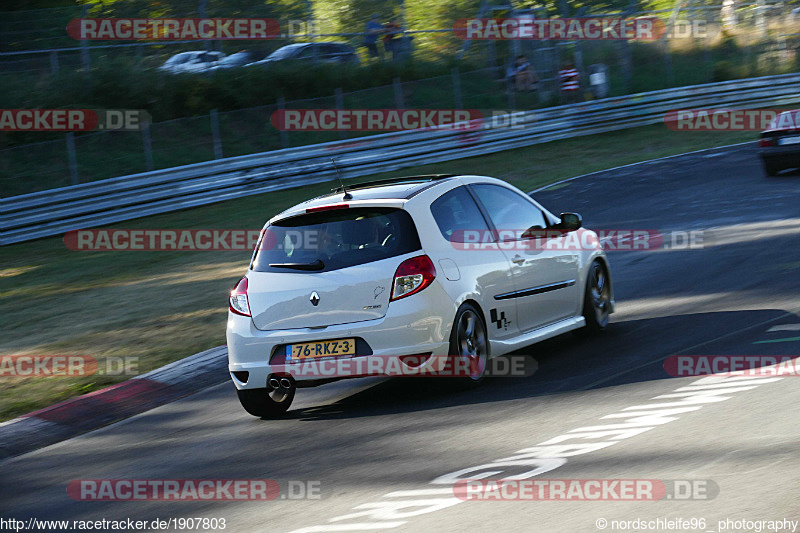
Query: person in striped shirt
[(570, 83)]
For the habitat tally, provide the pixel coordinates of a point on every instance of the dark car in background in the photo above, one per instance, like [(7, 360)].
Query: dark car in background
[(237, 60), (337, 53), (192, 62), (779, 145)]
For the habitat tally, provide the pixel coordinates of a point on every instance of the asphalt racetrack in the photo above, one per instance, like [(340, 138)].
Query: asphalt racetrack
[(381, 452)]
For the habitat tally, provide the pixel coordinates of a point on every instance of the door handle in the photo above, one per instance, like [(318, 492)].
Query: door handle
[(518, 259)]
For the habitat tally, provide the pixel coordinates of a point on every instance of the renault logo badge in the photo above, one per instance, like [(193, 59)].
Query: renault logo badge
[(314, 298)]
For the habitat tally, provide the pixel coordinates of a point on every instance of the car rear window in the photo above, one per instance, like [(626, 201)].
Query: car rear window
[(335, 239)]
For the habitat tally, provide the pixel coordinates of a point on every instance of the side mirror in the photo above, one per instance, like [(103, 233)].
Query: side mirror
[(570, 221)]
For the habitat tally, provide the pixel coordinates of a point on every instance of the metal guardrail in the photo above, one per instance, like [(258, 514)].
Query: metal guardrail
[(56, 211)]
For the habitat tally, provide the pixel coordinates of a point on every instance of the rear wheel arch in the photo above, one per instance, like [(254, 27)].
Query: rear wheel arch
[(469, 343), (477, 306)]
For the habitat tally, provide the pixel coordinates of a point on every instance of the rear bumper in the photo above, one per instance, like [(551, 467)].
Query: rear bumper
[(786, 156), (419, 324)]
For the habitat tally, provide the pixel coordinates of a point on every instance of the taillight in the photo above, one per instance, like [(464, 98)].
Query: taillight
[(412, 276), (238, 300), (766, 141)]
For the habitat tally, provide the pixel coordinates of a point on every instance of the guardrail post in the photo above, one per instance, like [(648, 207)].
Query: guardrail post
[(558, 62), (215, 134), (86, 59), (582, 78), (148, 148), (492, 54), (398, 94), (54, 62), (668, 64), (626, 61), (761, 19), (459, 102), (709, 63), (340, 107), (284, 135), (72, 158)]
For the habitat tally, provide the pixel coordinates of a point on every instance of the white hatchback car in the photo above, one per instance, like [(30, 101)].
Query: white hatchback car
[(432, 267)]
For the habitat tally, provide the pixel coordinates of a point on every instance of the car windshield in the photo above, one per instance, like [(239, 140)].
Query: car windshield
[(239, 58), (334, 239), (178, 59), (286, 51)]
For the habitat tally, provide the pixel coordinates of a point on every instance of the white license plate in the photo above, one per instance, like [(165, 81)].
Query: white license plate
[(783, 141), (308, 350)]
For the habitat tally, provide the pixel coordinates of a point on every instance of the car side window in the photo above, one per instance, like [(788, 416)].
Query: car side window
[(508, 209), (307, 53), (456, 214)]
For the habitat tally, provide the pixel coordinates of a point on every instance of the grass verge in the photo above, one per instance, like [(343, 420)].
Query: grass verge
[(162, 306)]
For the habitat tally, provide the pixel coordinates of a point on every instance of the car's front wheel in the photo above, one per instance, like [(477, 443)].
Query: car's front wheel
[(266, 402), (469, 346), (597, 300)]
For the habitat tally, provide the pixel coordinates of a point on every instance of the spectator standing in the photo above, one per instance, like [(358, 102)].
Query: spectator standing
[(570, 83), (390, 41), (525, 79), (371, 32)]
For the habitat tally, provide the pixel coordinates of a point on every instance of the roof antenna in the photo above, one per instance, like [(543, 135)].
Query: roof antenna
[(347, 195)]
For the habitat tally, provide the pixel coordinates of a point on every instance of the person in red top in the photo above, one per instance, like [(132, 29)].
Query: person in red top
[(570, 83), (391, 29)]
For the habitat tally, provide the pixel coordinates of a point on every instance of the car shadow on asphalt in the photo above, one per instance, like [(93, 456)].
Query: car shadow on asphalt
[(628, 352)]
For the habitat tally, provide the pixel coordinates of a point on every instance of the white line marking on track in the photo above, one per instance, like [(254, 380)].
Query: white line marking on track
[(785, 327), (545, 187), (660, 359)]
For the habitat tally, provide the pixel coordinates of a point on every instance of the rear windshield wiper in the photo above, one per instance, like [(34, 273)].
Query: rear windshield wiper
[(316, 265)]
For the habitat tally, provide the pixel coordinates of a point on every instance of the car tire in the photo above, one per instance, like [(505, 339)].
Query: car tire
[(469, 346), (771, 168), (266, 402), (597, 298)]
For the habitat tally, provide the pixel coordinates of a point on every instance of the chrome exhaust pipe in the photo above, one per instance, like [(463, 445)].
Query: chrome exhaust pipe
[(286, 383), (274, 383)]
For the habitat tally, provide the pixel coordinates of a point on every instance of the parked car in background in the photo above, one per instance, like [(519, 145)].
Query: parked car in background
[(338, 53), (192, 62), (237, 60), (779, 145)]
